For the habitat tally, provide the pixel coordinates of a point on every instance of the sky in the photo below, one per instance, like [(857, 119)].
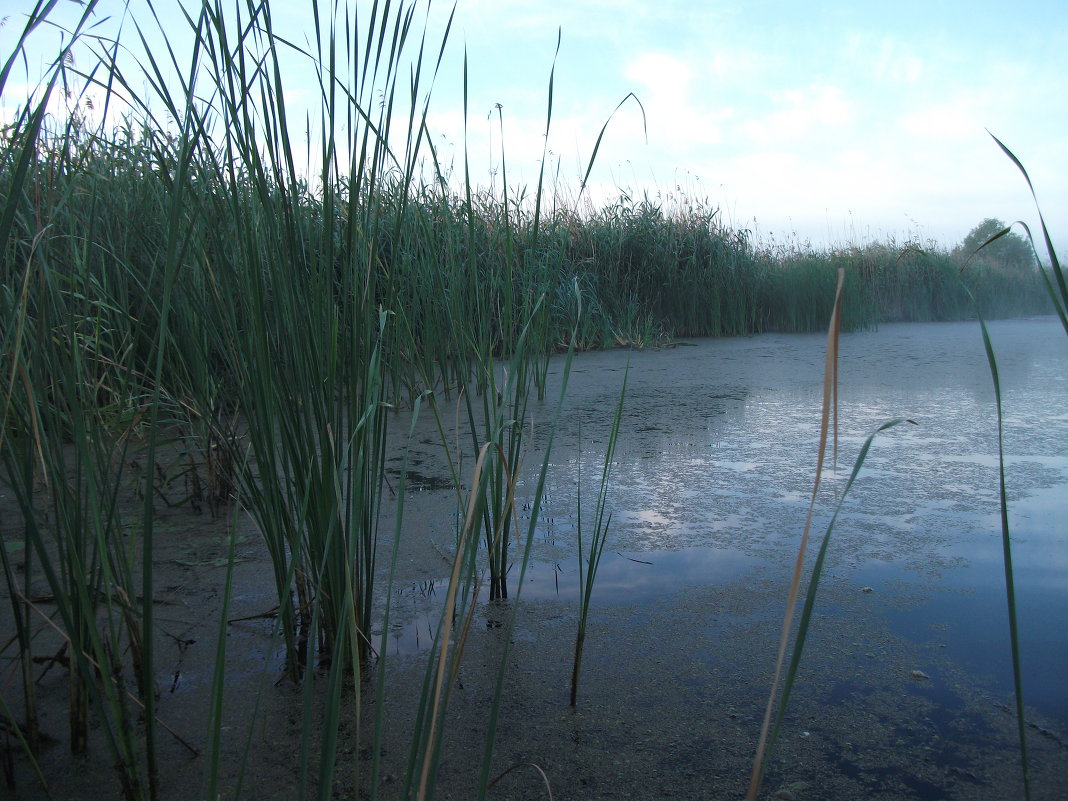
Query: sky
[(822, 123)]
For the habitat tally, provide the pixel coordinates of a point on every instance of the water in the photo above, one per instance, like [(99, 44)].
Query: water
[(714, 468), (708, 496)]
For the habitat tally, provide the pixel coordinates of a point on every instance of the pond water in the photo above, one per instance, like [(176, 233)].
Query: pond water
[(905, 686), (709, 492), (719, 447)]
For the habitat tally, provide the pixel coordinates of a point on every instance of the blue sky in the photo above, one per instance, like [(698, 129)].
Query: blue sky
[(835, 123)]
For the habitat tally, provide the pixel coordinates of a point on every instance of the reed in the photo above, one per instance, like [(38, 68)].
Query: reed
[(590, 552), (500, 423), (460, 606), (1057, 286), (76, 411), (181, 294), (1058, 295), (776, 709), (957, 287)]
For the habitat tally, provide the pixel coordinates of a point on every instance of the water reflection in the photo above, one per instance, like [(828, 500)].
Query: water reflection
[(731, 470), (715, 463), (637, 576), (622, 578)]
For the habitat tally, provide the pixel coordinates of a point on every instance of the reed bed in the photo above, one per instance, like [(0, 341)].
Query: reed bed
[(189, 316)]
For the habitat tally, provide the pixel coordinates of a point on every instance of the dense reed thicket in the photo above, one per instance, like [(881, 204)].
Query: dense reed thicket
[(456, 273)]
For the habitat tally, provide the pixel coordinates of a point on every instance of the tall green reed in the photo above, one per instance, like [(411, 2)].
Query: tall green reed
[(72, 424), (306, 374), (528, 542), (589, 552), (1057, 290), (1057, 286), (500, 423), (190, 284)]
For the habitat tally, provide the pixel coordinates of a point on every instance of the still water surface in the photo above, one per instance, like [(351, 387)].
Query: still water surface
[(714, 466)]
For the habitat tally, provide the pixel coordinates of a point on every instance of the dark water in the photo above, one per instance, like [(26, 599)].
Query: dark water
[(714, 468)]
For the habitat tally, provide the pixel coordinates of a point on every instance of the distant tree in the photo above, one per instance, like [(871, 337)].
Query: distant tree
[(1011, 251)]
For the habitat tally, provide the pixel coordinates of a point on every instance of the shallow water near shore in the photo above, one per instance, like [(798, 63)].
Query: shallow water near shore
[(709, 492), (714, 468), (905, 688)]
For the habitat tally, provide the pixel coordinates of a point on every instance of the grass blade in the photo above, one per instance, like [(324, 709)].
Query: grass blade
[(1060, 303), (588, 574), (1006, 549), (830, 373)]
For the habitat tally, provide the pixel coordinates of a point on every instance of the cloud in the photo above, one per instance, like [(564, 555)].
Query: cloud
[(571, 139), (888, 59), (538, 18), (944, 121), (663, 83), (677, 113), (725, 66), (799, 113)]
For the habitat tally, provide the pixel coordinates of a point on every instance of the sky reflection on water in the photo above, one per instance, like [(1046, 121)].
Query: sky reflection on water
[(727, 467), (714, 467)]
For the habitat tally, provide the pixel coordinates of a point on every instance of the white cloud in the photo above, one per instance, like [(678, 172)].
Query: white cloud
[(950, 120), (676, 112), (730, 66), (894, 62), (664, 80), (798, 113)]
